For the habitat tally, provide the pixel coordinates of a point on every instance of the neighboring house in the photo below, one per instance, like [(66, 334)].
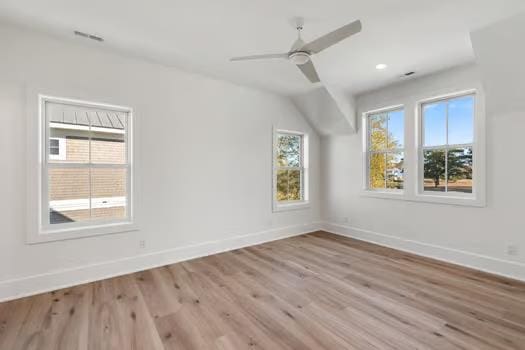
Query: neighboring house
[(395, 173), (71, 187)]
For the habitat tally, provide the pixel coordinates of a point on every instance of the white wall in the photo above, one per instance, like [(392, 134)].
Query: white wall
[(500, 54), (203, 152), (476, 237)]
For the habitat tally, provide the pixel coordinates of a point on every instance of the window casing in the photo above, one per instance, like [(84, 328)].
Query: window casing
[(290, 170), (447, 156), (85, 189), (385, 151)]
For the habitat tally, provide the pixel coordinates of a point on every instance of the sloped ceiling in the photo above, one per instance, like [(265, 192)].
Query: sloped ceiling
[(328, 110), (201, 35)]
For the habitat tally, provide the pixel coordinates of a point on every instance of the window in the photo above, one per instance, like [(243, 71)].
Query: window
[(54, 147), (444, 161), (385, 154), (86, 173), (447, 152), (290, 170), (57, 149)]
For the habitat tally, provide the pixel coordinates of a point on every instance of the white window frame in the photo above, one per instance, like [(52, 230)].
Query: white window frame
[(52, 232), (304, 203), (62, 149), (380, 192), (477, 197), (413, 150)]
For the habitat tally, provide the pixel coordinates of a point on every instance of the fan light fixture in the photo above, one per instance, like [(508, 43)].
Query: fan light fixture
[(299, 57)]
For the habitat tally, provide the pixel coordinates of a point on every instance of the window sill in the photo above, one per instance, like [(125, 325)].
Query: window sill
[(291, 206), (383, 194), (427, 198), (450, 200), (81, 232)]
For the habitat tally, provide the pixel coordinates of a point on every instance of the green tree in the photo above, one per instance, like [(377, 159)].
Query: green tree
[(288, 155), (459, 165)]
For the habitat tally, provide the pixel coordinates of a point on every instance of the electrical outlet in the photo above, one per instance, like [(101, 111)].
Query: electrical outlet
[(512, 250), (142, 244)]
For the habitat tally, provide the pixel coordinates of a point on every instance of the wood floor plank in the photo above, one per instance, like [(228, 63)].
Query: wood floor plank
[(119, 318), (156, 287), (314, 291), (12, 317)]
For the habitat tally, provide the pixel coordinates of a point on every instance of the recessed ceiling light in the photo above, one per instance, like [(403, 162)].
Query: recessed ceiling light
[(381, 66)]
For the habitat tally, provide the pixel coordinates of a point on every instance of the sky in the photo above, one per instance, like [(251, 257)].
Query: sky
[(460, 121), (396, 127)]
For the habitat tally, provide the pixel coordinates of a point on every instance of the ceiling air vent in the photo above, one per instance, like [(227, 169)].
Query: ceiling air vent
[(88, 36)]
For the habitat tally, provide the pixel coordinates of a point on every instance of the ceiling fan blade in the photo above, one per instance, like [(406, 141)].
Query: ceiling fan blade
[(260, 57), (333, 38), (309, 71)]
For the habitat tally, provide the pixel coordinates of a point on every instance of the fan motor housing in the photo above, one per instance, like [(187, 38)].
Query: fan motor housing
[(299, 57)]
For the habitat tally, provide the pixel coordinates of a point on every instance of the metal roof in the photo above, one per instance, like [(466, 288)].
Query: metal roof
[(80, 115)]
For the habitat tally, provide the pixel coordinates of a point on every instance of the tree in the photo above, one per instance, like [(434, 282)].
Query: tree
[(459, 165), (288, 155), (381, 141), (434, 166)]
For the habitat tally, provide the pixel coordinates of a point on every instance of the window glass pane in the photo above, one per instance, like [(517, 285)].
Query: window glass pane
[(434, 170), (282, 185), (68, 195), (377, 170), (108, 193), (108, 137), (434, 123), (289, 150), (460, 170), (294, 187), (378, 130), (396, 129), (69, 124), (395, 170), (289, 185), (461, 120)]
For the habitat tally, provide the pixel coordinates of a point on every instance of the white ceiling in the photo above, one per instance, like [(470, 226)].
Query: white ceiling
[(200, 35)]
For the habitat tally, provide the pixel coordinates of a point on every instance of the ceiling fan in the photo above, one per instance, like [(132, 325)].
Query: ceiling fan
[(300, 51)]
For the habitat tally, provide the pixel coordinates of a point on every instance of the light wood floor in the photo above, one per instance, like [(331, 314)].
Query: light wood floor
[(317, 291)]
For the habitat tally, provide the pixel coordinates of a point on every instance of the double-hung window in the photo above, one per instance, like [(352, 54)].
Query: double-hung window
[(290, 170), (385, 154), (447, 153), (86, 168), (445, 157)]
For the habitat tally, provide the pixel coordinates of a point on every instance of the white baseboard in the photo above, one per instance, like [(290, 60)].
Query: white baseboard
[(506, 268), (36, 284)]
